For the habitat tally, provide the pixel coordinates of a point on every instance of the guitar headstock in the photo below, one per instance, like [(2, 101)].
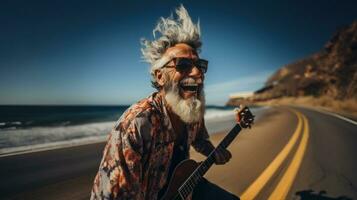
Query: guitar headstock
[(244, 117)]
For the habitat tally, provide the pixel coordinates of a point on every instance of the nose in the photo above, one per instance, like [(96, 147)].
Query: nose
[(195, 72)]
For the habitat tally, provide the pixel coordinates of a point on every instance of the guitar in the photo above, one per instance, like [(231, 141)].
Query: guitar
[(188, 173)]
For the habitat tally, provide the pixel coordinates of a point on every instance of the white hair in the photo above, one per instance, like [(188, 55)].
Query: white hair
[(172, 31)]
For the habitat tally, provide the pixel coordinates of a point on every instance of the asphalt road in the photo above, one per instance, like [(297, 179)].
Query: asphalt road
[(275, 159), (330, 163)]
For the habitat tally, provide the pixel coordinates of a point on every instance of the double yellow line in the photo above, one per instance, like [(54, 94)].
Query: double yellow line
[(282, 189)]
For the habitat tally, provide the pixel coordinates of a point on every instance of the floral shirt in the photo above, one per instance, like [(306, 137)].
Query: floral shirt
[(137, 156)]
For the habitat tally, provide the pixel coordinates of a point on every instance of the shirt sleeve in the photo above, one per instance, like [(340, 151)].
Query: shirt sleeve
[(120, 171), (201, 143)]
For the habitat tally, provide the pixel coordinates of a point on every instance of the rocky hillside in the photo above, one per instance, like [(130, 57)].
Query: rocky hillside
[(330, 72)]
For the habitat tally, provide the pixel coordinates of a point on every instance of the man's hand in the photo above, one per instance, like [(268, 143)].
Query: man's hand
[(222, 156)]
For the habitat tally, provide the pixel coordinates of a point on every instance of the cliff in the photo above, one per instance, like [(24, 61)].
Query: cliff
[(330, 72)]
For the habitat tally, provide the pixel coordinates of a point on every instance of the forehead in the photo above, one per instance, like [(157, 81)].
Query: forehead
[(181, 50)]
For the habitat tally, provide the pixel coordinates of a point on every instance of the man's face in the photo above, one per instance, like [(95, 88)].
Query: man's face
[(183, 90), (190, 81)]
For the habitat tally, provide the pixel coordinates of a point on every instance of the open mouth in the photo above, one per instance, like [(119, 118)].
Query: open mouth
[(189, 87)]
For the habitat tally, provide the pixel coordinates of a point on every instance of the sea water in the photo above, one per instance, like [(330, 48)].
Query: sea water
[(24, 128)]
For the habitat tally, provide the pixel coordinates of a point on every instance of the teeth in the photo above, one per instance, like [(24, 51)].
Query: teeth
[(190, 87), (190, 84)]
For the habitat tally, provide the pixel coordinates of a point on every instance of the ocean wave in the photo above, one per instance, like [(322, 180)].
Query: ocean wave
[(218, 113), (43, 135), (10, 125), (52, 145), (32, 138)]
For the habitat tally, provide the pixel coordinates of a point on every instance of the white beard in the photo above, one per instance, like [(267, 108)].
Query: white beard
[(189, 110)]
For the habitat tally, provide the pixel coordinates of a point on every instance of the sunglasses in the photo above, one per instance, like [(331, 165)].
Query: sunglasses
[(186, 64)]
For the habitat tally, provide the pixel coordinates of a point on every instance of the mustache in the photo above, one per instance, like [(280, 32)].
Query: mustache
[(190, 80)]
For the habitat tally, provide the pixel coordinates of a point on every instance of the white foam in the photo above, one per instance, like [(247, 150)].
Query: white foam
[(214, 113), (48, 136), (15, 123), (14, 141), (52, 145)]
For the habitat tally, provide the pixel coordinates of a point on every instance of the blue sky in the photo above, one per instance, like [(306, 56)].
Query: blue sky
[(87, 52)]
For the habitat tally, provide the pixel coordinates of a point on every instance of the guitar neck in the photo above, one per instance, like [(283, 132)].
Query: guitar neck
[(205, 165)]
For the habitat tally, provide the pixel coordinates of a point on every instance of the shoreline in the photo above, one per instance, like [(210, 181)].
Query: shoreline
[(50, 146), (65, 144), (21, 141), (12, 151)]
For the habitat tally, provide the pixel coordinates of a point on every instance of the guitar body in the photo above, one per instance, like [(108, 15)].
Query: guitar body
[(181, 173), (188, 172)]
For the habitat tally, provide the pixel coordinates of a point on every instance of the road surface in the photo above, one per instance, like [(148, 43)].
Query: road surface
[(290, 153)]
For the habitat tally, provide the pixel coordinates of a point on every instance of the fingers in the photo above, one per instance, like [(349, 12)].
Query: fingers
[(222, 156), (219, 160), (240, 112), (246, 118), (242, 107)]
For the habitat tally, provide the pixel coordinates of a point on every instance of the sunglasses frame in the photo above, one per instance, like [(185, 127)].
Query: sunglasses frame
[(182, 63)]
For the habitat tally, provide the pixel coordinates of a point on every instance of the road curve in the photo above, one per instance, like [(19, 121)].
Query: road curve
[(326, 170)]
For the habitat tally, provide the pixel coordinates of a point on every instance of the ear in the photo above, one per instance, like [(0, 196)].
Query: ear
[(159, 77)]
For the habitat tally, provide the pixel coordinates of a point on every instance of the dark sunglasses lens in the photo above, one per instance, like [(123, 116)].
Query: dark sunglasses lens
[(183, 64), (202, 64)]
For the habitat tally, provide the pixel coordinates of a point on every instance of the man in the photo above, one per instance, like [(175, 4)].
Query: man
[(155, 134)]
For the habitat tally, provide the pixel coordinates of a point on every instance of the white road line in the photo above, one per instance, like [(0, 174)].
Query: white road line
[(339, 116), (322, 110)]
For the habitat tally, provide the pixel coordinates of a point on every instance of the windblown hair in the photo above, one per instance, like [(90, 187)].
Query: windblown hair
[(172, 31)]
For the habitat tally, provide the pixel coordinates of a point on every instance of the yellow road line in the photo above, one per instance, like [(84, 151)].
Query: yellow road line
[(254, 189), (283, 187)]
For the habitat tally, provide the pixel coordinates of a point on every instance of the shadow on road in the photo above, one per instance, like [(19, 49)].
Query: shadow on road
[(311, 195)]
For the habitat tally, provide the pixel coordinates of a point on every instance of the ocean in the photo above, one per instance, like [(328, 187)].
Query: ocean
[(24, 128)]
